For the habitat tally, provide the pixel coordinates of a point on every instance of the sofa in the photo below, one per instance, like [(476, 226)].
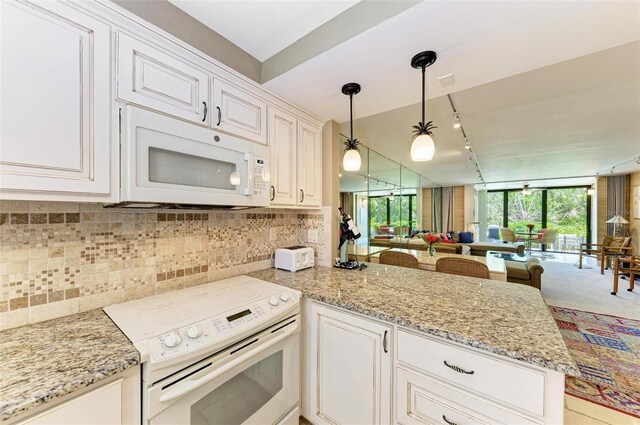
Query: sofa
[(526, 273), (474, 248)]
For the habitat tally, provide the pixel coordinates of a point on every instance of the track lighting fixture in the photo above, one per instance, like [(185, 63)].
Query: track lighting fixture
[(466, 144), (456, 121)]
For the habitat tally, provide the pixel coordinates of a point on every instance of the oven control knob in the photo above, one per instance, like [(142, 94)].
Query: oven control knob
[(172, 340), (193, 332), (273, 301), (284, 297)]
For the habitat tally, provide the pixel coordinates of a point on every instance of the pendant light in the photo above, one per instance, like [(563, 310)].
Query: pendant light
[(423, 148), (351, 160)]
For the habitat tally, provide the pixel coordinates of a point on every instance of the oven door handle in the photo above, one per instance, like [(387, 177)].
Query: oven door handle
[(187, 386)]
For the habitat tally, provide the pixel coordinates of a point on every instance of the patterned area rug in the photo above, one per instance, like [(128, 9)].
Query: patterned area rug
[(607, 351)]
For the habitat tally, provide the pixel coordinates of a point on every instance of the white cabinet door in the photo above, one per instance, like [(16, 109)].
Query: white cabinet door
[(55, 102), (102, 406), (351, 378), (282, 140), (156, 79), (309, 165), (238, 112)]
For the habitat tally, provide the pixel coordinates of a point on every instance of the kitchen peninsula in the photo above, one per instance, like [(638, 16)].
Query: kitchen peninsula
[(458, 347)]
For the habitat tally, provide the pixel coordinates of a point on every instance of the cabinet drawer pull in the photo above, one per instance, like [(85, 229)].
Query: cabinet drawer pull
[(273, 193), (448, 421), (384, 342), (301, 195), (205, 111), (219, 115), (458, 369)]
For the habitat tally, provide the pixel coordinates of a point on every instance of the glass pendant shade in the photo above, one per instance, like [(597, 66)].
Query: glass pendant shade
[(422, 148), (351, 160)]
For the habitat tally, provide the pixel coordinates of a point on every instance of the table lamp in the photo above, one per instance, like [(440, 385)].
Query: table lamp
[(617, 222)]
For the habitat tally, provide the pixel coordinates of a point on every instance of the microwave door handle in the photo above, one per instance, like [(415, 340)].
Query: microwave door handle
[(185, 387), (250, 184)]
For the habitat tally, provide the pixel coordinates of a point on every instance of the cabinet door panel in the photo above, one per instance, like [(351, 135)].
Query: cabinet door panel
[(102, 406), (309, 165), (55, 105), (353, 371), (239, 112), (153, 78), (282, 139)]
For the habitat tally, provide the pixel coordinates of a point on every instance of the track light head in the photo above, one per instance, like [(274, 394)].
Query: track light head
[(456, 121)]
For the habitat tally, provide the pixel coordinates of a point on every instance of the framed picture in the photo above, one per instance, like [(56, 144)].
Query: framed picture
[(635, 202)]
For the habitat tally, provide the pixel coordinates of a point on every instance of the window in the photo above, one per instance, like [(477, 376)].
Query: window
[(392, 216), (523, 210), (495, 208)]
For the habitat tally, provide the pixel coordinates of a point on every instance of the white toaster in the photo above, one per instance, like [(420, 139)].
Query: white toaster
[(294, 258)]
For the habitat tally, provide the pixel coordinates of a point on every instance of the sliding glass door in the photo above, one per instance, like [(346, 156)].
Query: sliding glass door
[(392, 215), (564, 209), (524, 209)]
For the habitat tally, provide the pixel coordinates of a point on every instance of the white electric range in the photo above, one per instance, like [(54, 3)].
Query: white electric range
[(222, 352)]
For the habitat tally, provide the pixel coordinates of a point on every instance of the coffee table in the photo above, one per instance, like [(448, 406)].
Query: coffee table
[(508, 256), (497, 266)]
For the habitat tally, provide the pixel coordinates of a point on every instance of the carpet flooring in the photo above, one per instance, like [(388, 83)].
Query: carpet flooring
[(607, 351)]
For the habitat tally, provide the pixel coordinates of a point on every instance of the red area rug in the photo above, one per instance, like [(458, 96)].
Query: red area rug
[(607, 351)]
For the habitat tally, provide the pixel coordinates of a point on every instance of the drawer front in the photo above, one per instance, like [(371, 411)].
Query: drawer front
[(505, 382), (152, 78), (423, 400)]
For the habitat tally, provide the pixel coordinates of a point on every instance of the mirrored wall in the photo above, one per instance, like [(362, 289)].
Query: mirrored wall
[(384, 198)]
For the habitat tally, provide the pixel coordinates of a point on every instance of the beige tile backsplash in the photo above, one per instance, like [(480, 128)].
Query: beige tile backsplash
[(59, 258)]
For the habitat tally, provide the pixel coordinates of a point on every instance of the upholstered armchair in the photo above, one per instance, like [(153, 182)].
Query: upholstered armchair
[(610, 247)]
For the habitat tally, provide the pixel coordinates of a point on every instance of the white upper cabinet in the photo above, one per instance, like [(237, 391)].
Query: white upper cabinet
[(238, 112), (154, 78), (55, 102), (309, 173), (282, 141)]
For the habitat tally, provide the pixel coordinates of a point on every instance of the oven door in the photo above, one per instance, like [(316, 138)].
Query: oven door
[(256, 381), (165, 160)]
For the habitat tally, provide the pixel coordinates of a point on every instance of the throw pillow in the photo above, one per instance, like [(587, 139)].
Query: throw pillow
[(466, 237)]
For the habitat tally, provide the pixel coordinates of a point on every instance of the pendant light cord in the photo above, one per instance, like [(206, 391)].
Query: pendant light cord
[(351, 113), (423, 100)]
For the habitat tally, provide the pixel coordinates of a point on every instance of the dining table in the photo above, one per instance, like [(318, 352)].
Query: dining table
[(528, 237)]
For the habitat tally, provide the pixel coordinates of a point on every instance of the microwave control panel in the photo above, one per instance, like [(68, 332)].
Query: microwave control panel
[(260, 177)]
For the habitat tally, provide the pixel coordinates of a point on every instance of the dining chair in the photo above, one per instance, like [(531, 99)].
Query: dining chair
[(507, 234), (401, 259), (548, 237), (462, 267)]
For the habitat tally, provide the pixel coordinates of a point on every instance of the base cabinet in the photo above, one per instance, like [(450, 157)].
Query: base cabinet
[(350, 375), (113, 403), (354, 374)]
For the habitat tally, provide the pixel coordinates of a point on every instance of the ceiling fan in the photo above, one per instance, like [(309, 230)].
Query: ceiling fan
[(526, 190)]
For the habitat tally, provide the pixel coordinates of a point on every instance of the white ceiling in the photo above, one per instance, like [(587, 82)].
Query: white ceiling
[(575, 118), (477, 41), (263, 28)]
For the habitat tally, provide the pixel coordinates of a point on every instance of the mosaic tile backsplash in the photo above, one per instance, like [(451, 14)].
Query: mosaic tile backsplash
[(60, 258)]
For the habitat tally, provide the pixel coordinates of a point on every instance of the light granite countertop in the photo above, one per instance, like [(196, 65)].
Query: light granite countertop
[(46, 360), (507, 319)]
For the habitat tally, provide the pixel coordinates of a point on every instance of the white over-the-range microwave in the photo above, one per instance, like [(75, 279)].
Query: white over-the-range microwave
[(166, 161)]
